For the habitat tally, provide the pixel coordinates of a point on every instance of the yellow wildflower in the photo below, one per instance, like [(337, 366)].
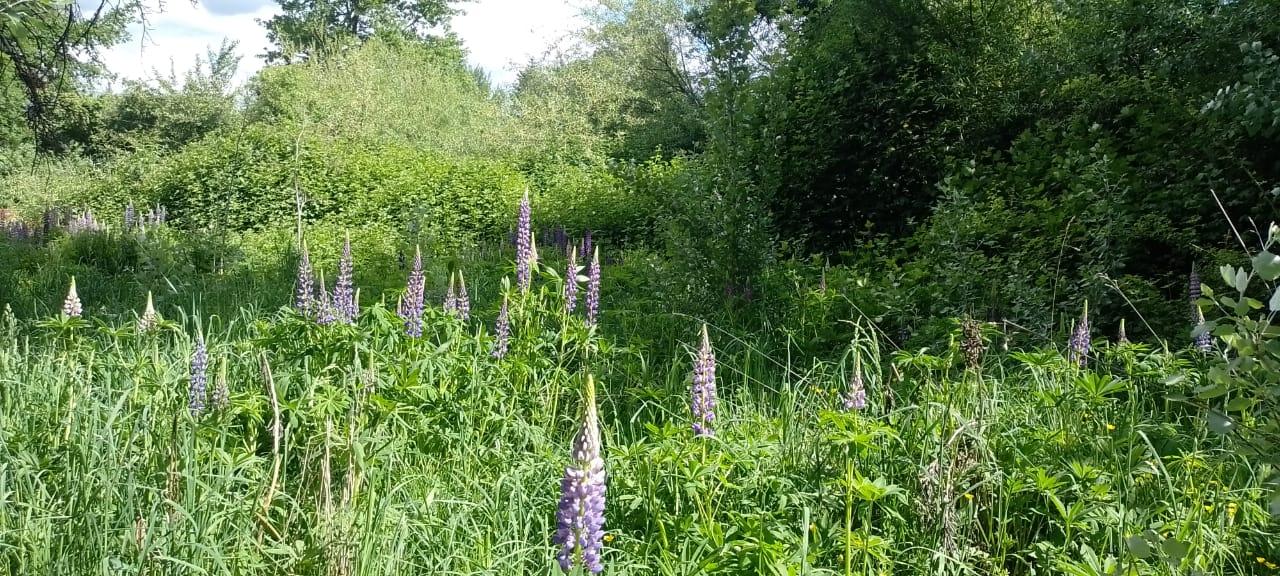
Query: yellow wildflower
[(1110, 427), (608, 537), (968, 496)]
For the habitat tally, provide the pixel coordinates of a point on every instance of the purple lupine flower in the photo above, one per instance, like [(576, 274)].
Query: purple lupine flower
[(462, 302), (344, 303), (580, 515), (221, 397), (1203, 341), (855, 396), (524, 244), (586, 244), (324, 311), (502, 332), (1193, 287), (130, 216), (451, 297), (571, 282), (304, 293), (1122, 337), (593, 289), (71, 307), (199, 377), (150, 318), (822, 282), (703, 391), (1079, 344), (414, 297)]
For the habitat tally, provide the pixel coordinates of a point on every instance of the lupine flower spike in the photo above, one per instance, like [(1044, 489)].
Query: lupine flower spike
[(703, 391), (571, 282), (343, 295), (586, 244), (71, 306), (524, 244), (304, 292), (1080, 339), (451, 297), (199, 377), (580, 516), (130, 216), (324, 307), (221, 397), (1122, 337), (502, 332), (855, 396), (593, 289), (462, 305), (150, 318), (1203, 341), (411, 305)]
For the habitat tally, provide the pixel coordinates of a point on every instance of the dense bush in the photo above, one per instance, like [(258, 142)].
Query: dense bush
[(253, 178)]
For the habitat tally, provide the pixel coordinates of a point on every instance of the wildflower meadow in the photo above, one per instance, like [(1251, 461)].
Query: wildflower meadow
[(316, 429), (640, 288)]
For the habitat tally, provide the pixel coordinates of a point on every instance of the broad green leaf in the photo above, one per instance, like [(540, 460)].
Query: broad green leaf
[(1275, 300), (1267, 265), (1220, 423), (1228, 274), (1138, 546), (1174, 549), (1240, 404), (1242, 281)]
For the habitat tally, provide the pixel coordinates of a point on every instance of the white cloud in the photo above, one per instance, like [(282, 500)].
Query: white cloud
[(175, 36), (500, 35)]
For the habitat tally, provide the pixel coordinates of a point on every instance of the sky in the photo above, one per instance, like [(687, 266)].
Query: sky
[(500, 35)]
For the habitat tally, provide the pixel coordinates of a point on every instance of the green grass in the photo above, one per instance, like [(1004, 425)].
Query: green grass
[(357, 450)]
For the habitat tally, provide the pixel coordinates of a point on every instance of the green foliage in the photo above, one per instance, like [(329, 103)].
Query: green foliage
[(1242, 390), (169, 113), (255, 177), (313, 29), (413, 94)]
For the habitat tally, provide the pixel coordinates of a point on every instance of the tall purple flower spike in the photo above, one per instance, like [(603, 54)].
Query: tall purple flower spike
[(344, 303), (1080, 340), (462, 303), (524, 244), (502, 332), (855, 397), (571, 282), (199, 378), (130, 216), (325, 313), (71, 307), (580, 515), (304, 292), (593, 289), (414, 297), (586, 244), (703, 391), (451, 296), (1203, 342)]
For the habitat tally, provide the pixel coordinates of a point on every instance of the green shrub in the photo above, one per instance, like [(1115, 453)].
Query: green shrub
[(251, 179)]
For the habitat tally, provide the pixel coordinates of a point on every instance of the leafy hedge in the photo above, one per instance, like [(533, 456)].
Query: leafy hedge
[(250, 179)]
